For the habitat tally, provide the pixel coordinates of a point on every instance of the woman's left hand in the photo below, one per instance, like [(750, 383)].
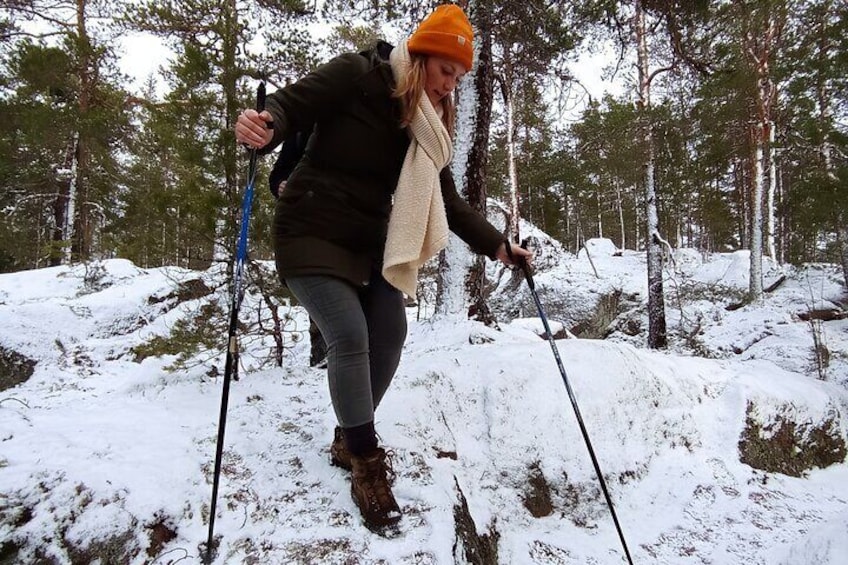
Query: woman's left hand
[(519, 255)]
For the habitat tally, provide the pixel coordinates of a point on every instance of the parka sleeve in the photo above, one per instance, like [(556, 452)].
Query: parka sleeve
[(467, 223), (298, 106)]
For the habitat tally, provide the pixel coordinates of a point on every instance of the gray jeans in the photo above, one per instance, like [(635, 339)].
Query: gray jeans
[(364, 330)]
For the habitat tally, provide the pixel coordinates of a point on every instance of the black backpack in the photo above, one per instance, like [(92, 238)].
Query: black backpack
[(291, 152), (294, 146)]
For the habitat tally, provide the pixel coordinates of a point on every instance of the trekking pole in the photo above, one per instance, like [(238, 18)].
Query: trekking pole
[(231, 364), (526, 268)]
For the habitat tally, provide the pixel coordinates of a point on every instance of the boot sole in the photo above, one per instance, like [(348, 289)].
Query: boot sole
[(389, 531), (387, 528)]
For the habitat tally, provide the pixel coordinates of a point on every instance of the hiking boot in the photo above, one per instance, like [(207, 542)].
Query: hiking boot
[(339, 455), (369, 486)]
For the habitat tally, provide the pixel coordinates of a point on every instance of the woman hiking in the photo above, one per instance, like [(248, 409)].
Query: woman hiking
[(370, 201)]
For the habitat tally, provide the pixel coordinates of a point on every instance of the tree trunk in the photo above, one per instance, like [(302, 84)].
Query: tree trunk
[(657, 337), (599, 214), (771, 192), (759, 40), (461, 278), (689, 218), (743, 222), (78, 201), (755, 286), (509, 104), (621, 225), (63, 209), (69, 229), (638, 208), (566, 215), (226, 228)]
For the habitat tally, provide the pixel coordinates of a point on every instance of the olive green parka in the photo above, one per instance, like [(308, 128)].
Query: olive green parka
[(332, 216)]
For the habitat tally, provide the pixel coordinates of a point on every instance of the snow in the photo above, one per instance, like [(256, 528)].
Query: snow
[(95, 447), (598, 247)]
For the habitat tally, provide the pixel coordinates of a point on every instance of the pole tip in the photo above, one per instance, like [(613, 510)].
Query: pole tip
[(209, 551)]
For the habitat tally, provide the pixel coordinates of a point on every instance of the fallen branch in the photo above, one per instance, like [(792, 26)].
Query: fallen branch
[(824, 315), (774, 286), (770, 288)]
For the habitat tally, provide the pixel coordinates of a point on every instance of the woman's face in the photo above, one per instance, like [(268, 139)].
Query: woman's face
[(442, 77)]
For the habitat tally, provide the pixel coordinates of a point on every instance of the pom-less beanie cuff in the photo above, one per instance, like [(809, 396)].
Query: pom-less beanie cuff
[(447, 33)]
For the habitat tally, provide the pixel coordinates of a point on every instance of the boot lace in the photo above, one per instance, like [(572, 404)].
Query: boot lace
[(380, 493)]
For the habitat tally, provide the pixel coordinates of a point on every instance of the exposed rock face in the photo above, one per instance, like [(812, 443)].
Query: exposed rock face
[(788, 447), (476, 549), (14, 368), (537, 494)]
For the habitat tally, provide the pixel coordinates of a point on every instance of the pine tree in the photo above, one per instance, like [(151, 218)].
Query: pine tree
[(607, 149), (209, 81), (83, 92), (67, 69), (529, 40), (758, 31), (671, 47), (815, 71), (167, 218), (33, 150)]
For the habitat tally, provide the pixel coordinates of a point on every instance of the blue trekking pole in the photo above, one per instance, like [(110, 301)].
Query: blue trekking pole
[(231, 366), (530, 283)]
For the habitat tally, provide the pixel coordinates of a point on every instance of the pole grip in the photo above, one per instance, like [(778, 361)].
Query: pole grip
[(260, 102), (520, 262), (260, 96)]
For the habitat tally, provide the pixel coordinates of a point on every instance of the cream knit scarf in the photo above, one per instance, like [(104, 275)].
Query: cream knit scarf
[(418, 225)]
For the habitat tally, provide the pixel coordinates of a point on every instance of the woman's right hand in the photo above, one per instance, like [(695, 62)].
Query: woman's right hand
[(252, 128), (514, 255)]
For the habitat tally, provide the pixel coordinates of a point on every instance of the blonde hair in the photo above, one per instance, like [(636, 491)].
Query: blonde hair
[(410, 89)]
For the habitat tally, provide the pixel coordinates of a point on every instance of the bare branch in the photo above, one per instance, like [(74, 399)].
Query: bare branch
[(31, 13), (660, 71)]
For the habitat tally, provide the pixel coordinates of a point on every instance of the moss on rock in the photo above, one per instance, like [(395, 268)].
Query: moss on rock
[(788, 447)]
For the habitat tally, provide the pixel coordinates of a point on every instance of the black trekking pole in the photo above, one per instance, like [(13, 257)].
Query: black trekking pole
[(231, 365), (528, 275)]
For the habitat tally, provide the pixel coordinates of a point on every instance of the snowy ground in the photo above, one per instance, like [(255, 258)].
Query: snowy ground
[(105, 458)]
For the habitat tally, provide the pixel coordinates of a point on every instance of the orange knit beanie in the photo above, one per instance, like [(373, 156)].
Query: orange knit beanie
[(445, 33)]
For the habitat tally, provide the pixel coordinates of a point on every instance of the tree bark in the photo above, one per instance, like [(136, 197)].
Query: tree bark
[(63, 210), (657, 337), (755, 286), (771, 193), (469, 170), (509, 103), (78, 204), (758, 43), (475, 186)]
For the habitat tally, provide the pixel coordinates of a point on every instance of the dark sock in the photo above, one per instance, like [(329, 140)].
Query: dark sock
[(361, 440)]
